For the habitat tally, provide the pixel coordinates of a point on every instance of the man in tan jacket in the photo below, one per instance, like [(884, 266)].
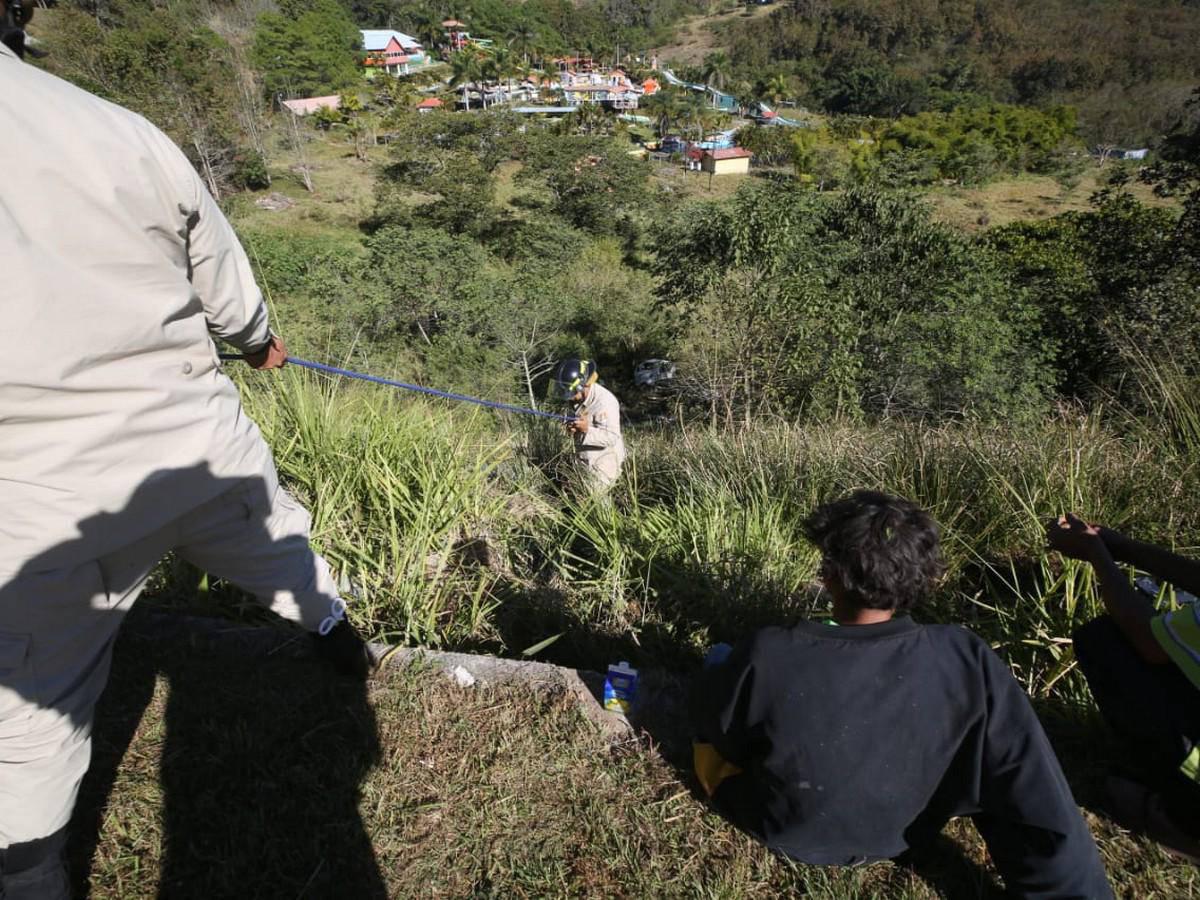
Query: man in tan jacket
[(120, 437), (596, 428)]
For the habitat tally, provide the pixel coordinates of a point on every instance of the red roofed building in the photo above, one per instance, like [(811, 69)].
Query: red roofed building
[(730, 161), (429, 104)]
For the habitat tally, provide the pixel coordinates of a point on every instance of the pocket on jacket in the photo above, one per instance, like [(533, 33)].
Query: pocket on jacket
[(18, 697)]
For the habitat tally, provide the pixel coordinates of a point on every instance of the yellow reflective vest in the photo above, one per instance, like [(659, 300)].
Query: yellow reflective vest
[(1178, 632)]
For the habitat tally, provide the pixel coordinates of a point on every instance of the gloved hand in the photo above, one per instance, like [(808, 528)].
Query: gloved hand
[(345, 650)]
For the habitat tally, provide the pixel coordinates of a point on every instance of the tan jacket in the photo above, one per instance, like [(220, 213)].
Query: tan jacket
[(603, 445), (116, 267)]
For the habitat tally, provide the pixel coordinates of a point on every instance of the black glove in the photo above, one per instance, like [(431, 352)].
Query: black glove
[(345, 650)]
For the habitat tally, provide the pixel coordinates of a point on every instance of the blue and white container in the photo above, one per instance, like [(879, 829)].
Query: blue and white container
[(620, 688)]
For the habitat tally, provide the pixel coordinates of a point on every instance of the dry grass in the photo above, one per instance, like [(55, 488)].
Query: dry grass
[(507, 188), (697, 36), (343, 186), (1023, 198), (230, 768), (672, 180)]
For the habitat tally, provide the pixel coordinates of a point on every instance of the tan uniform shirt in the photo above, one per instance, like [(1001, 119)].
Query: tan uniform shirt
[(116, 266), (602, 449)]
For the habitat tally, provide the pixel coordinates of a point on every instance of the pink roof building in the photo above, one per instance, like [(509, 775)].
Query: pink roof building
[(308, 105)]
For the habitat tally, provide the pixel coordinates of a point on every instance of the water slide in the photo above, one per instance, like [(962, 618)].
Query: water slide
[(721, 100), (777, 119)]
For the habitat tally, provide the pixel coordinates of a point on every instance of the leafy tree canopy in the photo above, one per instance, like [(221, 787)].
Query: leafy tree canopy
[(308, 49)]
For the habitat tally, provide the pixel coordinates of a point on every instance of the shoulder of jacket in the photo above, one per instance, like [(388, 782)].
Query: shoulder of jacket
[(53, 95), (606, 395), (771, 639)]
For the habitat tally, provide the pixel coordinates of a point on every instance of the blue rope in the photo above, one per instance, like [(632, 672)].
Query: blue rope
[(432, 392)]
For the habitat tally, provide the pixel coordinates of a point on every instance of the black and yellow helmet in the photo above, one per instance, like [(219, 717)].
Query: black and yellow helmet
[(17, 14), (572, 375)]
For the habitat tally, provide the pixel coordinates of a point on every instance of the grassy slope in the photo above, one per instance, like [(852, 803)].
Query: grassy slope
[(418, 788), (1026, 197), (344, 193), (696, 37), (463, 816)]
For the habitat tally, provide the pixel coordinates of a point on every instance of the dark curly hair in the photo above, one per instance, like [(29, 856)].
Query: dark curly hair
[(884, 551)]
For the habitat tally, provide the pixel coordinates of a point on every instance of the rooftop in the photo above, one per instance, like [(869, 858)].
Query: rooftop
[(729, 153), (306, 105), (378, 39)]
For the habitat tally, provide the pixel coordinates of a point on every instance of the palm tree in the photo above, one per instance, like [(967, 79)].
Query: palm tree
[(504, 65), (695, 113), (465, 72), (523, 37), (428, 31), (776, 89), (590, 118), (666, 108), (716, 70)]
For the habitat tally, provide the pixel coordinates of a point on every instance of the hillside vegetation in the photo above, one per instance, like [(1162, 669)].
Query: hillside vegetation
[(842, 316), (1126, 65)]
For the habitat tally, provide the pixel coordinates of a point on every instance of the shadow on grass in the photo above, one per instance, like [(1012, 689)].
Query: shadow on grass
[(259, 771)]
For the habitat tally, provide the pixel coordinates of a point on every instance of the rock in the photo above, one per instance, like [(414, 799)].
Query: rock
[(275, 201), (461, 677)]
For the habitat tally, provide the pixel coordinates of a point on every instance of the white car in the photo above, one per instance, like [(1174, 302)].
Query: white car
[(653, 373)]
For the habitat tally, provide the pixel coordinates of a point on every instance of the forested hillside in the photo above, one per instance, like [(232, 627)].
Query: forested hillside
[(1126, 65)]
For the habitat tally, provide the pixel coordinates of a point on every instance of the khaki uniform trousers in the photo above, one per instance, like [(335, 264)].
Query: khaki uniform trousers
[(602, 470), (57, 630)]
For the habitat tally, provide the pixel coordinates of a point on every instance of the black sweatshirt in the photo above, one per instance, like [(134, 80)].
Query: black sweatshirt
[(858, 741)]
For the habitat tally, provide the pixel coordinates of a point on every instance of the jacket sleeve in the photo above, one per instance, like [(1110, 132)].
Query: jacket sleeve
[(605, 428), (729, 706), (222, 278), (1033, 828)]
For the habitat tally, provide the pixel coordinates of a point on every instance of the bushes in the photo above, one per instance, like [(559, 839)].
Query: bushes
[(1105, 280), (973, 144), (850, 306)]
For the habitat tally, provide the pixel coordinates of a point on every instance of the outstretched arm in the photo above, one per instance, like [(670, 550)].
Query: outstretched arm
[(1033, 828), (1131, 610), (1164, 565)]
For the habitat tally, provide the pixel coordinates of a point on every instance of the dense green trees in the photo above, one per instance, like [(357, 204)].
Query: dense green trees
[(592, 180), (308, 49), (973, 144), (537, 27), (1120, 63), (790, 302), (171, 68), (1115, 282)]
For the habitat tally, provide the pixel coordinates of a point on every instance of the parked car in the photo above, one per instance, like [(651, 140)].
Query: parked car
[(651, 373)]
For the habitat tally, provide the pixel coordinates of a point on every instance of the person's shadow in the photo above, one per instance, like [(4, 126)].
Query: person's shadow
[(259, 747), (260, 764)]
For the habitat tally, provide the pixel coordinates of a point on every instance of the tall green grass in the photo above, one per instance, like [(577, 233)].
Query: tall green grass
[(457, 528)]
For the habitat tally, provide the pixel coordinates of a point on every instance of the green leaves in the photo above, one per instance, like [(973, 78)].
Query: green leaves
[(592, 180), (858, 304), (973, 144), (311, 51)]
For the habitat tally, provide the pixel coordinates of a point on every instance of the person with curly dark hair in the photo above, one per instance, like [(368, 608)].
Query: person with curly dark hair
[(857, 739)]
